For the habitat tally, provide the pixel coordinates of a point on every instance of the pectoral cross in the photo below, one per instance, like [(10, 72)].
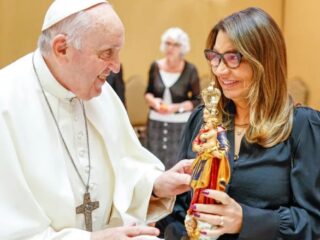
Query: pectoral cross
[(86, 208)]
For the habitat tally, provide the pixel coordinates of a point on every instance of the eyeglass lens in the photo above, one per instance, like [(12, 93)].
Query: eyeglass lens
[(231, 59), (173, 44)]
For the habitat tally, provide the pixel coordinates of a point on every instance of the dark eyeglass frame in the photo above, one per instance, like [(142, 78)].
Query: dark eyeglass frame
[(222, 57)]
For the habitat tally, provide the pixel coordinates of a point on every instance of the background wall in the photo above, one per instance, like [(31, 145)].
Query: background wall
[(20, 25), (302, 32), (146, 20)]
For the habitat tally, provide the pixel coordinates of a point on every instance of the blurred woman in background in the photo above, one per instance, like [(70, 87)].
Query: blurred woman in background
[(171, 94)]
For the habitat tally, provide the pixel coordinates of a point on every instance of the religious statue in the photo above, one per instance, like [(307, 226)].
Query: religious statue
[(211, 168)]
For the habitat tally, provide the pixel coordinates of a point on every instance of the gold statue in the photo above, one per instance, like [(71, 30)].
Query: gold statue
[(211, 168)]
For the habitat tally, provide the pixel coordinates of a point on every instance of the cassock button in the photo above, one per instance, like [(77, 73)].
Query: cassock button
[(80, 135), (165, 124), (165, 139), (165, 131), (81, 153), (164, 146)]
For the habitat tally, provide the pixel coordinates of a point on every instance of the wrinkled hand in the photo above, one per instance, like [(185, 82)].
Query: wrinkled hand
[(174, 181), (227, 215), (124, 233)]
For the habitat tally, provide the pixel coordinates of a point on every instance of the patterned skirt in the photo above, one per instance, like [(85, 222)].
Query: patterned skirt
[(163, 140)]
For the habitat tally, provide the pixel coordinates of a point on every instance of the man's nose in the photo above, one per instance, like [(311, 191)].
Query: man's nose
[(115, 64)]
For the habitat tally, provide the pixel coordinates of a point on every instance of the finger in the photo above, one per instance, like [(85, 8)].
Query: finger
[(213, 232), (141, 230), (217, 209), (208, 218), (181, 179), (183, 166), (182, 189), (219, 196)]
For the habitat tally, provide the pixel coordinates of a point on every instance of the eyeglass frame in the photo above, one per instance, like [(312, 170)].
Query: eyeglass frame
[(221, 57), (172, 44)]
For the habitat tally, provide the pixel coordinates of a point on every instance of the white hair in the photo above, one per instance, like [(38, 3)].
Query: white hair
[(74, 27), (179, 36)]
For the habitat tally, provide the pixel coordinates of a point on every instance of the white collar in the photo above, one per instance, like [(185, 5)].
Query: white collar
[(48, 81)]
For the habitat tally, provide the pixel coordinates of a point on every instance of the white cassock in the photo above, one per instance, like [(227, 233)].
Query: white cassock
[(39, 187)]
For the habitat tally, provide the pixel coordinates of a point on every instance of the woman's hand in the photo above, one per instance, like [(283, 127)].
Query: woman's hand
[(124, 233), (156, 103), (172, 108), (227, 215), (167, 108)]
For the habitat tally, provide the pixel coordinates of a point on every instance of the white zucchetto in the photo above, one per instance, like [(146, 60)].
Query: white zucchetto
[(61, 9)]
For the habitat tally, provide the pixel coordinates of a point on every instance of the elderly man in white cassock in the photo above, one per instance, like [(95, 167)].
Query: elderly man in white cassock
[(71, 165)]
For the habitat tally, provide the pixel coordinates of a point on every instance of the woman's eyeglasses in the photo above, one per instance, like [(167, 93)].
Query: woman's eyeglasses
[(230, 59), (172, 44)]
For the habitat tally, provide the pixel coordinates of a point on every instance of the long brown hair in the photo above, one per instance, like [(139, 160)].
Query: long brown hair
[(259, 39)]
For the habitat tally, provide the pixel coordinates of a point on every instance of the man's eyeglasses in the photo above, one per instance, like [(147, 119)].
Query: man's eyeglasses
[(230, 59)]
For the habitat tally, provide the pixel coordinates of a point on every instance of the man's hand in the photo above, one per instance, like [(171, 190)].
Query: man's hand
[(124, 233), (174, 181)]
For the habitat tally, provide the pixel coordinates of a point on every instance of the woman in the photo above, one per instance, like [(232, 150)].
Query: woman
[(171, 94), (274, 190)]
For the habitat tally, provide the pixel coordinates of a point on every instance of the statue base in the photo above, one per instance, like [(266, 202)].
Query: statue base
[(194, 226)]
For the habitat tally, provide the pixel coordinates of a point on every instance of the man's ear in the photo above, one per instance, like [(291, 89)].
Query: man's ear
[(59, 46)]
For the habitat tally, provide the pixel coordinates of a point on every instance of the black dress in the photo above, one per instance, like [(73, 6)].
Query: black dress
[(278, 187), (163, 136)]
